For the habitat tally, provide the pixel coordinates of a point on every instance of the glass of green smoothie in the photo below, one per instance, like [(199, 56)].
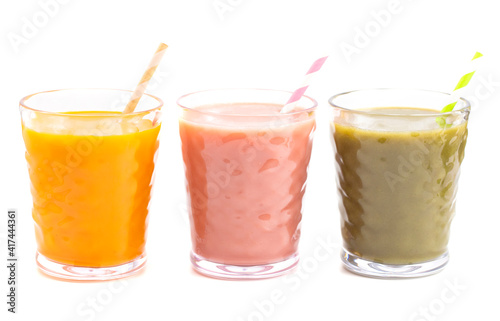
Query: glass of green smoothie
[(398, 161)]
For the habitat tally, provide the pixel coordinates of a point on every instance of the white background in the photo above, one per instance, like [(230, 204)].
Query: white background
[(269, 44)]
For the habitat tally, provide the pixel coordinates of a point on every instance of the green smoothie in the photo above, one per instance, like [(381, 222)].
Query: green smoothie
[(397, 184)]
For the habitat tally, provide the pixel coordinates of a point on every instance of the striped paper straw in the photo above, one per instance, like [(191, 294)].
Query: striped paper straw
[(464, 81), (297, 94), (146, 77)]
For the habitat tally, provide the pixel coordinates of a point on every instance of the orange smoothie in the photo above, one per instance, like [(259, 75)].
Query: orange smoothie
[(245, 172), (91, 178)]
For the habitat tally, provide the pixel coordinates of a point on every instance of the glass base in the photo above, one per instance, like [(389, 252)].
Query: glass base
[(83, 273), (243, 272), (364, 267)]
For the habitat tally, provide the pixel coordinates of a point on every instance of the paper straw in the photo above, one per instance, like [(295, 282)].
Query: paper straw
[(146, 77), (463, 82), (297, 94)]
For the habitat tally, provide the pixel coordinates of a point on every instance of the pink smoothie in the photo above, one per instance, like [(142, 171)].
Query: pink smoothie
[(246, 170)]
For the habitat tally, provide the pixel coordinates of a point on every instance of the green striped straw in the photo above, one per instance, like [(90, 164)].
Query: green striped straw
[(464, 81), (456, 94)]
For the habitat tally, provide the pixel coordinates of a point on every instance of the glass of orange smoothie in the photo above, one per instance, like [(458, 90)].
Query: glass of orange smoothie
[(246, 169), (91, 170)]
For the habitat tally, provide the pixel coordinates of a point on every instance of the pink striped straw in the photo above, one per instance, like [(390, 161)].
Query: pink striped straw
[(297, 94)]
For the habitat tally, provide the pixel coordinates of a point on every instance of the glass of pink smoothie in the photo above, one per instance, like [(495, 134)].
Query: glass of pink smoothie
[(246, 169)]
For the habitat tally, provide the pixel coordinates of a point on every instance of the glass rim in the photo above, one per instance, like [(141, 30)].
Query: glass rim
[(466, 108), (295, 112), (23, 103)]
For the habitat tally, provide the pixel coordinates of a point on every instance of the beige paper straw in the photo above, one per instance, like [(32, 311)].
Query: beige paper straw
[(141, 87)]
